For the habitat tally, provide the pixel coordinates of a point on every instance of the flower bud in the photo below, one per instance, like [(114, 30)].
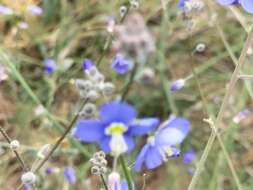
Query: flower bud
[(43, 151), (177, 85), (28, 178), (88, 110), (14, 145), (114, 181)]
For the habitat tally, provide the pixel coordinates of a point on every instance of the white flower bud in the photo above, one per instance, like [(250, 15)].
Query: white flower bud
[(88, 110), (114, 181), (92, 95), (108, 89), (28, 178), (43, 151), (14, 145), (200, 47), (123, 10), (95, 170)]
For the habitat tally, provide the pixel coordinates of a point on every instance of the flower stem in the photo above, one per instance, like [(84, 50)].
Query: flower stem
[(59, 141), (220, 115), (126, 172), (8, 139), (103, 181)]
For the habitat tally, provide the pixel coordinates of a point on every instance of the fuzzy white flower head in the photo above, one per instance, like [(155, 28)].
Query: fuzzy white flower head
[(28, 178), (14, 145)]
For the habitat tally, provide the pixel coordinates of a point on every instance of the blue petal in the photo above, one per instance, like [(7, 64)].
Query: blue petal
[(104, 144), (89, 130), (69, 174), (247, 5), (153, 158), (226, 2), (189, 157), (181, 4), (117, 112), (174, 133), (130, 142), (141, 157), (143, 126)]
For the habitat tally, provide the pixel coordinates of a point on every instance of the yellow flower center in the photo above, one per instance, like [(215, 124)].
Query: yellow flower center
[(116, 129)]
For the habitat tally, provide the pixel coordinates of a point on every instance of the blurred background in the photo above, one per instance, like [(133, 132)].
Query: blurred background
[(68, 31)]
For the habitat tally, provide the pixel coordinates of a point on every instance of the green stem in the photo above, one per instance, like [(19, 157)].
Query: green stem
[(126, 172)]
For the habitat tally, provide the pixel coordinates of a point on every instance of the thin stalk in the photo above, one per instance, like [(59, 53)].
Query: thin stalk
[(129, 83), (103, 181), (126, 172), (8, 139), (59, 141), (161, 58), (228, 93)]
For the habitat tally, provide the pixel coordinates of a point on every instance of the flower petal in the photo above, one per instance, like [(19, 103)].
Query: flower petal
[(226, 2), (247, 5), (174, 133), (153, 158), (117, 112), (105, 144), (141, 157), (130, 142), (143, 126), (89, 130)]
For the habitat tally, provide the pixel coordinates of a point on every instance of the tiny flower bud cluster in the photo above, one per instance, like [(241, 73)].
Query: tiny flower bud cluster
[(134, 4), (99, 163), (92, 88), (88, 111)]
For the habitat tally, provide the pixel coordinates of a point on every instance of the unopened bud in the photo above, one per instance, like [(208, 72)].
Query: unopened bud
[(28, 178), (14, 145)]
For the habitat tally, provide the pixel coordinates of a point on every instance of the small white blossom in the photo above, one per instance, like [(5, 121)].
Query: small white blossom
[(28, 178), (14, 145)]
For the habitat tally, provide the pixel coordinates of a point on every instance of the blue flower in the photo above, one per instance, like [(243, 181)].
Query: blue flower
[(87, 64), (247, 5), (69, 174), (177, 85), (49, 65), (120, 64), (160, 147), (35, 10), (5, 10), (115, 129), (27, 187), (189, 156)]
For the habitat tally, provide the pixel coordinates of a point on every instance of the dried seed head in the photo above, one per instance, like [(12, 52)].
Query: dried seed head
[(28, 178), (14, 145)]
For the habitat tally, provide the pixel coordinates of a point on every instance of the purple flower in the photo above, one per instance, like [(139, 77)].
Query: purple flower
[(27, 187), (35, 10), (49, 65), (160, 147), (177, 85), (87, 64), (247, 5), (115, 129), (69, 174), (120, 64), (189, 157), (5, 10)]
